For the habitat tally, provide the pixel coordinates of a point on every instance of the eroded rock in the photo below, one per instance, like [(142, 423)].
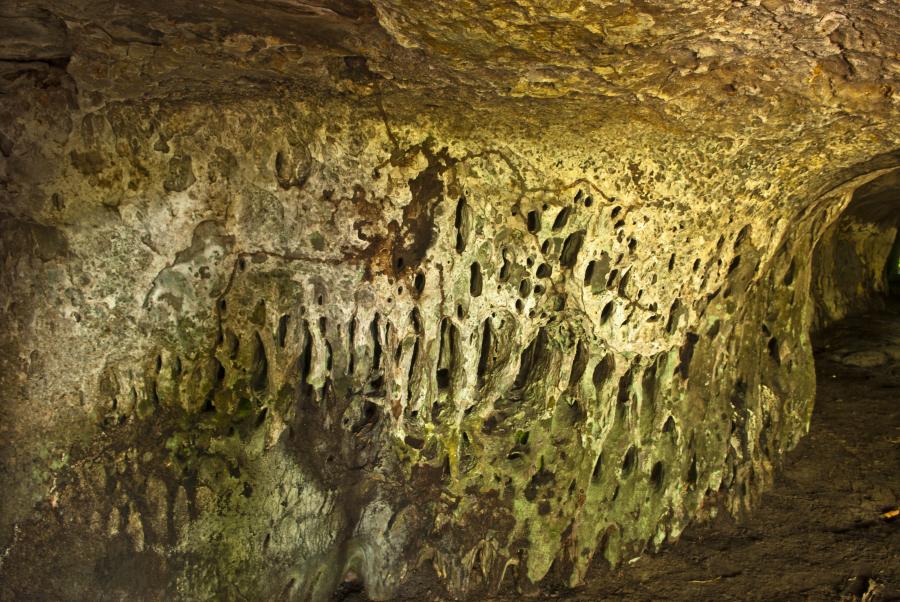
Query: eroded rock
[(298, 319)]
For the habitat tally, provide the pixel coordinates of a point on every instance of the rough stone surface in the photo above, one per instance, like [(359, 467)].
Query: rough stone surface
[(850, 260), (865, 359), (302, 294)]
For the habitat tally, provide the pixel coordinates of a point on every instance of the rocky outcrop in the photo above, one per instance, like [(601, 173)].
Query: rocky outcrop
[(288, 317)]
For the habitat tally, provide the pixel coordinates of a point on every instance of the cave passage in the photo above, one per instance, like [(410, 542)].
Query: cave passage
[(448, 299), (856, 262)]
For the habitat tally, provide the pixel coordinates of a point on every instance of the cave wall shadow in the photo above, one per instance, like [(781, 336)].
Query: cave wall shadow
[(855, 262)]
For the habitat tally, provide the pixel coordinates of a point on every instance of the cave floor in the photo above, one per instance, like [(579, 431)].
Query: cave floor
[(818, 533)]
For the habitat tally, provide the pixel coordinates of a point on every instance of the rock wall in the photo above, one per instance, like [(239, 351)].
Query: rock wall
[(850, 269), (262, 348)]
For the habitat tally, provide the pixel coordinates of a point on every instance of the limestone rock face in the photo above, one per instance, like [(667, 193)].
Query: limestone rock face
[(857, 253), (297, 294)]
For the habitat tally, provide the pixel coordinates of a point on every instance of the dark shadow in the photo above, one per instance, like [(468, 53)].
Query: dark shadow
[(892, 269), (855, 262)]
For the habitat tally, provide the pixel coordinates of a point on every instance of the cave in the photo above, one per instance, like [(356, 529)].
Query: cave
[(857, 258), (320, 300)]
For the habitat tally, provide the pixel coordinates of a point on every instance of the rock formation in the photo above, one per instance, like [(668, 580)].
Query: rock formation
[(305, 293)]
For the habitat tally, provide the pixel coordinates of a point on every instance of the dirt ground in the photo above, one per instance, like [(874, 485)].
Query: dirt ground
[(819, 533)]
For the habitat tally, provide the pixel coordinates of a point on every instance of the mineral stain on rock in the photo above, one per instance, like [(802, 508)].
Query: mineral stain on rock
[(416, 232)]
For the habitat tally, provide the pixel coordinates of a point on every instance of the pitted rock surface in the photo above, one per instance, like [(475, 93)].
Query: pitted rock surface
[(306, 293)]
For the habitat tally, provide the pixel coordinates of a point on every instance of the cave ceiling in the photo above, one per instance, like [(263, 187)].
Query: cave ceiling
[(767, 66)]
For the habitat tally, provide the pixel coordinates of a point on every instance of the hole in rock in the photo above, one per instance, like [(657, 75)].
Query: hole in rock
[(741, 236), (571, 247), (304, 363), (504, 268), (534, 221), (598, 468), (220, 373), (525, 288), (686, 354), (788, 279), (532, 358), (649, 384), (484, 358), (475, 282), (413, 365), (375, 334), (669, 426), (351, 339), (448, 354), (613, 274), (589, 272), (260, 368), (603, 371), (579, 364), (774, 351), (623, 283), (675, 314), (281, 334), (623, 395), (606, 312), (629, 461), (657, 475), (562, 218), (462, 223)]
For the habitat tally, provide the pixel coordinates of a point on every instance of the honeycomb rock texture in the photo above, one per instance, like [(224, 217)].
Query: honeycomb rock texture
[(302, 294)]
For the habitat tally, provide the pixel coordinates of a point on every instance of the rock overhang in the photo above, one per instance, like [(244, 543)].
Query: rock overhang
[(693, 62)]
